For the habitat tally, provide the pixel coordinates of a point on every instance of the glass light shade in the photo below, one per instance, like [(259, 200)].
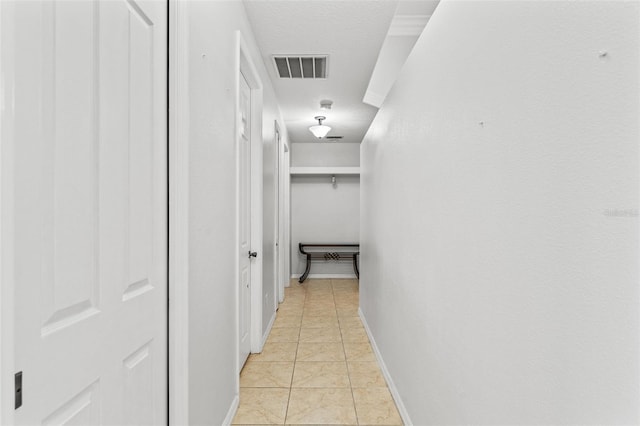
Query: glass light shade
[(319, 131)]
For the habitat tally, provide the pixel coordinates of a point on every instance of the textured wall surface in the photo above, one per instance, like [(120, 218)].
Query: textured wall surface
[(500, 216)]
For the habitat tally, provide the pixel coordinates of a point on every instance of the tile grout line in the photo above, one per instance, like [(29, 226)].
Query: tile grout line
[(295, 359), (353, 398), (333, 295)]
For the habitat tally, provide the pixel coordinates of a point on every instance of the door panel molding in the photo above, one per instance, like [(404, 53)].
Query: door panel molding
[(64, 150)]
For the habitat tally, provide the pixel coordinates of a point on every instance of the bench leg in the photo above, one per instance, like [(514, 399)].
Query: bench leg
[(306, 271), (355, 265)]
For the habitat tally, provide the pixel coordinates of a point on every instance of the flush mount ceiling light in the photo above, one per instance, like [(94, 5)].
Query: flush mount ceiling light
[(320, 131)]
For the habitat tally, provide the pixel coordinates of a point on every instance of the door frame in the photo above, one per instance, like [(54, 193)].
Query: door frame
[(277, 258), (285, 262), (178, 118), (7, 284), (244, 64)]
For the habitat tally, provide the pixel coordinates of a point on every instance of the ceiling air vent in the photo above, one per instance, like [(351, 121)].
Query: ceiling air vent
[(301, 66), (333, 137)]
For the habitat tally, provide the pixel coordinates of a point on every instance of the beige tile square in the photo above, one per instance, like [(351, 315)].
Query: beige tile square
[(318, 283), (344, 294), (267, 375), (319, 288), (345, 289), (317, 296), (365, 374), (319, 310), (262, 406), (353, 280), (287, 320), (344, 303), (354, 334), (327, 320), (287, 314), (283, 334), (295, 298), (321, 375), (273, 351), (320, 334), (319, 306), (350, 322), (317, 302), (375, 406), (291, 310), (356, 351), (292, 303), (351, 311), (351, 307), (321, 406), (320, 352), (345, 284), (294, 288)]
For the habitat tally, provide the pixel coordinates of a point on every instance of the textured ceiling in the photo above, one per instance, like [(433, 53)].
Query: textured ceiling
[(351, 32)]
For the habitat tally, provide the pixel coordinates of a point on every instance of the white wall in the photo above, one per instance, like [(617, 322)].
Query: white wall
[(325, 154), (212, 195), (321, 213), (499, 266)]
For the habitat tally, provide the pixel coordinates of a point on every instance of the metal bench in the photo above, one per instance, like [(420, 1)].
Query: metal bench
[(328, 252)]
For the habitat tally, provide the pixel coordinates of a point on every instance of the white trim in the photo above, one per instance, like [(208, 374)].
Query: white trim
[(233, 409), (407, 25), (374, 99), (325, 276), (7, 283), (385, 372), (324, 170), (245, 65), (178, 213), (265, 335)]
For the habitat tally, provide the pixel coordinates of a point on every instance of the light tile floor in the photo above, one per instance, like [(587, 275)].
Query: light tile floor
[(317, 366)]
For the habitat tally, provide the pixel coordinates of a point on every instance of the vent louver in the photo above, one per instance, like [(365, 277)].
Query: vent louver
[(301, 66)]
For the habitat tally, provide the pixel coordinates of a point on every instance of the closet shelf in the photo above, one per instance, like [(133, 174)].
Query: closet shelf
[(324, 171)]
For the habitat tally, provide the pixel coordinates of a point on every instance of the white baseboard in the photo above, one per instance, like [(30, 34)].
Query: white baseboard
[(385, 372), (232, 411), (266, 333), (325, 276)]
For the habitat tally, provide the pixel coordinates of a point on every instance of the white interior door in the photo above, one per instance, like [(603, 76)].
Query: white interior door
[(244, 234), (90, 208), (276, 266)]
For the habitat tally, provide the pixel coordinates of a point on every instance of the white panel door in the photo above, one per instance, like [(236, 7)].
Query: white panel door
[(91, 211), (277, 296), (244, 234)]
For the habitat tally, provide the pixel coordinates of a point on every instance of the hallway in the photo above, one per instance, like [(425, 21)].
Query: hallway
[(163, 163), (317, 366)]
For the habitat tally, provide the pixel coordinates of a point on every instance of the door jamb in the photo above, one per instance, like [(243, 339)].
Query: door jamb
[(7, 283), (178, 117)]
